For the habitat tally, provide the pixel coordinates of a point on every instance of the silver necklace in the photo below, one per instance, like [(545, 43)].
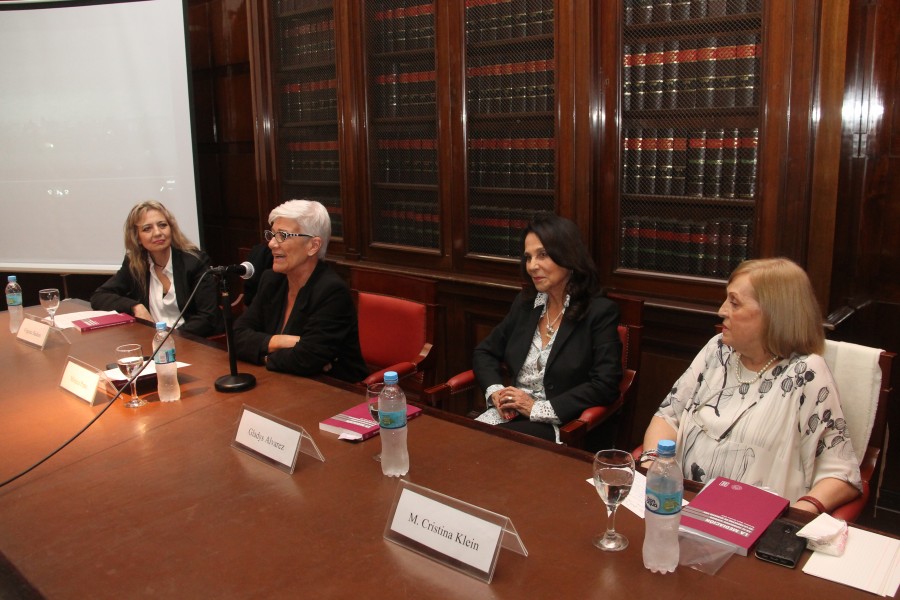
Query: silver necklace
[(551, 324), (738, 365)]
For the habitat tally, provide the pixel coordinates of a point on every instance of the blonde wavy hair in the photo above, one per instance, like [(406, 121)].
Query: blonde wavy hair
[(793, 318), (139, 265)]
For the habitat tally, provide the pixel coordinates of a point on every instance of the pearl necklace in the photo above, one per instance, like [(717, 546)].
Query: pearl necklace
[(737, 369), (551, 324)]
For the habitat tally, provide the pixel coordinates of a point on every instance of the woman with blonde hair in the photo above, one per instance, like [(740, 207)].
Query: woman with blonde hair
[(758, 404), (161, 268)]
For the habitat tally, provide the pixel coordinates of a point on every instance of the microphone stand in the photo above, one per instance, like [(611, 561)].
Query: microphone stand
[(233, 382)]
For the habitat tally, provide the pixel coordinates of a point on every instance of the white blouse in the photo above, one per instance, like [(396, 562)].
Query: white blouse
[(784, 431)]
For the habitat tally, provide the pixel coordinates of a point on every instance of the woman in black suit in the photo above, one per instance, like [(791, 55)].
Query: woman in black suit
[(160, 270), (559, 340), (302, 319)]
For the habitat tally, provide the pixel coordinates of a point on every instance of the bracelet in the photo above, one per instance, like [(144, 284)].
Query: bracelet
[(648, 455), (819, 506)]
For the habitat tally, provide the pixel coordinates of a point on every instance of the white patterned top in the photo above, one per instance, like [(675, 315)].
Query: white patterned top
[(784, 432)]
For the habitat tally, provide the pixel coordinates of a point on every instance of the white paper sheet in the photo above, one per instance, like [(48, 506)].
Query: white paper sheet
[(871, 562)]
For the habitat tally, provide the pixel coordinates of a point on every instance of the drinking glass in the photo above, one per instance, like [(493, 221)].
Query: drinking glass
[(613, 476), (50, 301), (373, 391), (130, 357)]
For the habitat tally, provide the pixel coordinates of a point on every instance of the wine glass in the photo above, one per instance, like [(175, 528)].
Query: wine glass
[(130, 357), (50, 301), (373, 391), (613, 476)]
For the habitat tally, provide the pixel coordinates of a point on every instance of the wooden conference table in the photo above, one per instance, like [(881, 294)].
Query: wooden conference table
[(154, 502)]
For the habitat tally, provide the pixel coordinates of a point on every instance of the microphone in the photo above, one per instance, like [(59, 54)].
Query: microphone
[(245, 270)]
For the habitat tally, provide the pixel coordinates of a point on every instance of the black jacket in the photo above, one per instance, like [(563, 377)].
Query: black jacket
[(584, 367), (203, 317), (324, 317)]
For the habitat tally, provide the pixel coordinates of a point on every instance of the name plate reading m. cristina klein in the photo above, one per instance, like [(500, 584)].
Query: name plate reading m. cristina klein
[(457, 534), (272, 440)]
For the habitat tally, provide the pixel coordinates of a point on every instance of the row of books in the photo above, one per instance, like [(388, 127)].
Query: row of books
[(405, 94), (720, 72), (489, 20), (496, 230), (407, 219), (527, 86), (715, 163), (711, 248), (638, 12), (303, 42), (407, 160), (312, 161), (521, 163), (309, 101), (408, 25)]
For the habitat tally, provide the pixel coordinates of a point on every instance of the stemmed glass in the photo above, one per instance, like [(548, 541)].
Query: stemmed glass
[(373, 391), (613, 476), (50, 301), (130, 357)]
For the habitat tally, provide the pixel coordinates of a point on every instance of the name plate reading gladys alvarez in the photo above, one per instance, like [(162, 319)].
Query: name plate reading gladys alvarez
[(452, 532), (272, 440), (82, 380)]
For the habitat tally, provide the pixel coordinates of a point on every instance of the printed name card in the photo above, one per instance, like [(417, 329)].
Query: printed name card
[(459, 535), (33, 332), (36, 332), (272, 440), (82, 380)]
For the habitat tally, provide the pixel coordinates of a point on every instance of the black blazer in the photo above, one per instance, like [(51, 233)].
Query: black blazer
[(203, 317), (584, 367), (324, 317)]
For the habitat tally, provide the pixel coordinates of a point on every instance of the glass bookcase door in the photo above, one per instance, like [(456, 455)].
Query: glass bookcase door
[(402, 92), (303, 55), (510, 101), (690, 131)]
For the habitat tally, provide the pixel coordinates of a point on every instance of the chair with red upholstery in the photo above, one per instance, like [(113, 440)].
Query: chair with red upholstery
[(575, 433), (396, 315)]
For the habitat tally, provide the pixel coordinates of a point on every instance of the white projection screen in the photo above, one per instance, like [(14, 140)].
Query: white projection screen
[(94, 118)]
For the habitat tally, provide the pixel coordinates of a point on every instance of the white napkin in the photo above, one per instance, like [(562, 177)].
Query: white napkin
[(825, 534)]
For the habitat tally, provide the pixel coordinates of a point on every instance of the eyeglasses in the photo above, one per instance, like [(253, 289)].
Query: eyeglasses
[(282, 236)]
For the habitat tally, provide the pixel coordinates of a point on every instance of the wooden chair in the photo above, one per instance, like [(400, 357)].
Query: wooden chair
[(575, 433), (397, 323)]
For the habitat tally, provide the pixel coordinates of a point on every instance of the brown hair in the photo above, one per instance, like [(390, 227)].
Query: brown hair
[(136, 253), (793, 319)]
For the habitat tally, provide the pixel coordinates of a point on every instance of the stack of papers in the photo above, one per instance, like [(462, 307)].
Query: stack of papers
[(871, 562)]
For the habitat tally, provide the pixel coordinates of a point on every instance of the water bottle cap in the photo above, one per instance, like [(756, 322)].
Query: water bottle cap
[(11, 279), (666, 448), (161, 326), (390, 377)]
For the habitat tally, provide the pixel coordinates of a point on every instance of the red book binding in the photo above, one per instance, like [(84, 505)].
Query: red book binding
[(103, 321), (732, 513), (358, 421)]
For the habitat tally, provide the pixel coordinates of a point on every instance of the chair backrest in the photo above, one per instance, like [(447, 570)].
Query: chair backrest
[(863, 378), (631, 319), (397, 317), (391, 329)]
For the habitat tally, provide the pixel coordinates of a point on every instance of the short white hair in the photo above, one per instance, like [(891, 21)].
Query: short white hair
[(311, 216)]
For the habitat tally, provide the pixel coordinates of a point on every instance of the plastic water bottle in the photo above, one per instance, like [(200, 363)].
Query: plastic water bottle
[(166, 368), (392, 419), (662, 514), (14, 304)]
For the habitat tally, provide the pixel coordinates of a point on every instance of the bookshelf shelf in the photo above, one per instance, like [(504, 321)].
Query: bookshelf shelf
[(689, 137)]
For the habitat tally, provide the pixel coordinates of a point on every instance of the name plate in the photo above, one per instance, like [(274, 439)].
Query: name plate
[(33, 332), (274, 441), (457, 534), (82, 380)]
